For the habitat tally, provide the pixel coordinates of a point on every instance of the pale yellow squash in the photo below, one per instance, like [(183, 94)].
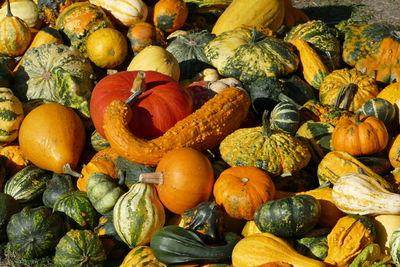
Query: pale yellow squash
[(385, 225)]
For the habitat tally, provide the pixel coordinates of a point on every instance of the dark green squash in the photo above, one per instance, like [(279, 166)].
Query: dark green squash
[(80, 248), (298, 90), (34, 232), (176, 245), (264, 93), (285, 117), (189, 51), (206, 218), (8, 207), (129, 171), (312, 247), (58, 185), (379, 108), (27, 184), (322, 38), (103, 192), (288, 217), (77, 210)]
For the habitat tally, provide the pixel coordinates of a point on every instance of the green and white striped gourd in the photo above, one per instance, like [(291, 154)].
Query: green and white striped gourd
[(11, 115), (27, 184), (394, 246), (357, 193), (138, 214), (379, 108), (285, 117)]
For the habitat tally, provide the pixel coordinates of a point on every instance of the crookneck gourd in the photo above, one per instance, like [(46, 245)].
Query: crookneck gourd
[(201, 130), (264, 148)]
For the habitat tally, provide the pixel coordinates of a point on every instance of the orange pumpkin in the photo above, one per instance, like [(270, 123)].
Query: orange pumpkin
[(15, 160), (241, 190), (360, 137), (143, 34), (52, 137), (184, 177), (170, 15)]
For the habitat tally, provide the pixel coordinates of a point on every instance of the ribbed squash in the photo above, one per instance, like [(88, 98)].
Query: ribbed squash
[(258, 249), (336, 164), (16, 34), (79, 20), (11, 115), (79, 248), (275, 153), (27, 10), (246, 54), (224, 112), (156, 58), (322, 38), (126, 13), (141, 256), (260, 12), (285, 117), (351, 234), (373, 49), (363, 88), (138, 214), (379, 108), (314, 69), (360, 194)]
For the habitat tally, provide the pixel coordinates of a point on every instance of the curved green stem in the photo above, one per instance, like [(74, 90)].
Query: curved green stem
[(9, 14), (267, 131), (68, 170)]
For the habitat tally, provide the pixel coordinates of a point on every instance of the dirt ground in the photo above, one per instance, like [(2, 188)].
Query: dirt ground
[(333, 11)]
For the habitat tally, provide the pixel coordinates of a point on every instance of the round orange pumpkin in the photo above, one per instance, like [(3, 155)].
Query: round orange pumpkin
[(107, 48), (143, 34), (170, 15), (360, 137), (52, 137), (184, 177), (241, 190)]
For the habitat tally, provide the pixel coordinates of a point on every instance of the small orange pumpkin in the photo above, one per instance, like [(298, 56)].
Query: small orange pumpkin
[(184, 177), (15, 160), (242, 189), (170, 15), (360, 137), (143, 34)]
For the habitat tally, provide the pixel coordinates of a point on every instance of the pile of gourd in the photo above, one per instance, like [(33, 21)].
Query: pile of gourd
[(197, 133)]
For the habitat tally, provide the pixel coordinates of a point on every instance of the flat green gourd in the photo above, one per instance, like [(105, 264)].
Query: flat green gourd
[(247, 54), (80, 248), (288, 217), (274, 152), (34, 232), (322, 38), (55, 72), (189, 51)]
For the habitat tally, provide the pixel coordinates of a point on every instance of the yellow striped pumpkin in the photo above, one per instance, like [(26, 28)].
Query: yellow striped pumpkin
[(26, 10), (11, 115), (357, 193), (125, 12), (16, 35)]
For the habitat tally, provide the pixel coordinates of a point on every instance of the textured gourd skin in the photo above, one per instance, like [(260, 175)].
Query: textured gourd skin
[(16, 36), (11, 115), (373, 49), (394, 244), (277, 154), (259, 12), (141, 256), (203, 129)]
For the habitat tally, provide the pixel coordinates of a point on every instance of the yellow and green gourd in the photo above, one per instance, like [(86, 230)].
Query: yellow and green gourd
[(11, 115), (274, 152)]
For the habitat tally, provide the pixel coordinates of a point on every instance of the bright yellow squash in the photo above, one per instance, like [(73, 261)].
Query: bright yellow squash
[(268, 13)]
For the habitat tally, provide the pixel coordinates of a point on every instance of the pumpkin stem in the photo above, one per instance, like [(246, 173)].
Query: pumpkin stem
[(68, 170), (339, 97), (152, 178), (138, 87), (267, 131), (357, 119), (350, 92), (9, 14)]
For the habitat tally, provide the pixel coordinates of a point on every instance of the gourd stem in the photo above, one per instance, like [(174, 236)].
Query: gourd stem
[(152, 178), (9, 14), (350, 91), (357, 119), (267, 131), (68, 170), (339, 97), (138, 87)]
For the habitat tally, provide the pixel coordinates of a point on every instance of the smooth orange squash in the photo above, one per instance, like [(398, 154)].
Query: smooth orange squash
[(170, 15), (184, 178), (52, 137)]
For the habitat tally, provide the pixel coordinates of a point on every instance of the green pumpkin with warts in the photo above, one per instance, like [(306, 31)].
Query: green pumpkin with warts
[(79, 248), (264, 148), (34, 232), (288, 217)]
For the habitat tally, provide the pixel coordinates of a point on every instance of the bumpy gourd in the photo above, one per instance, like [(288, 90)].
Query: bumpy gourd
[(203, 129)]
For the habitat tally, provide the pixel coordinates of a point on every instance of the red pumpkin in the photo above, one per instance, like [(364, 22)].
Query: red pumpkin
[(158, 108)]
